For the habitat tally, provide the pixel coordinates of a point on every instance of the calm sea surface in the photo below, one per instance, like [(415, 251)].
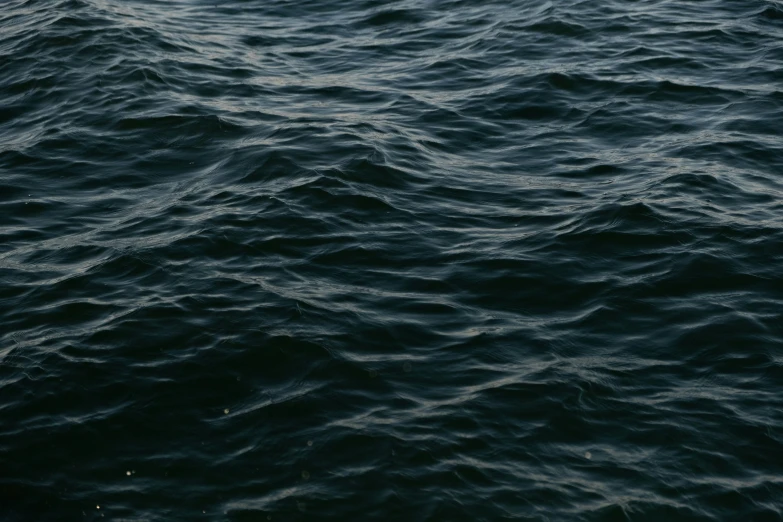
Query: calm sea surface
[(359, 260)]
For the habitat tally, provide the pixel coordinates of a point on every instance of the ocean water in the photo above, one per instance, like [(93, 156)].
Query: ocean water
[(418, 260)]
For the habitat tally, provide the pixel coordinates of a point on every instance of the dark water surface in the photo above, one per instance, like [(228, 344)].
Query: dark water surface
[(415, 260)]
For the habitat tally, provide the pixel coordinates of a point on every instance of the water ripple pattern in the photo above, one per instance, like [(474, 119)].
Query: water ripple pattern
[(424, 260)]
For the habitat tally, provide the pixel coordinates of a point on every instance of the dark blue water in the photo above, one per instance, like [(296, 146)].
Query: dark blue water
[(412, 260)]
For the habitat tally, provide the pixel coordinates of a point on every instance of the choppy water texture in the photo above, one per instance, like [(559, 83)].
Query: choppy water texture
[(417, 260)]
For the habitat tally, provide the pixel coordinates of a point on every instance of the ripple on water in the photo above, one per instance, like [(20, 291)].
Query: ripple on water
[(440, 261)]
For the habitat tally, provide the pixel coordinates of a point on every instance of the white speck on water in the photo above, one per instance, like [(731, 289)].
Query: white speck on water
[(225, 411), (128, 473), (309, 443), (588, 455), (97, 507)]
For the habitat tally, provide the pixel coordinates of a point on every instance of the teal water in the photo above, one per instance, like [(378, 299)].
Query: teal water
[(411, 260)]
